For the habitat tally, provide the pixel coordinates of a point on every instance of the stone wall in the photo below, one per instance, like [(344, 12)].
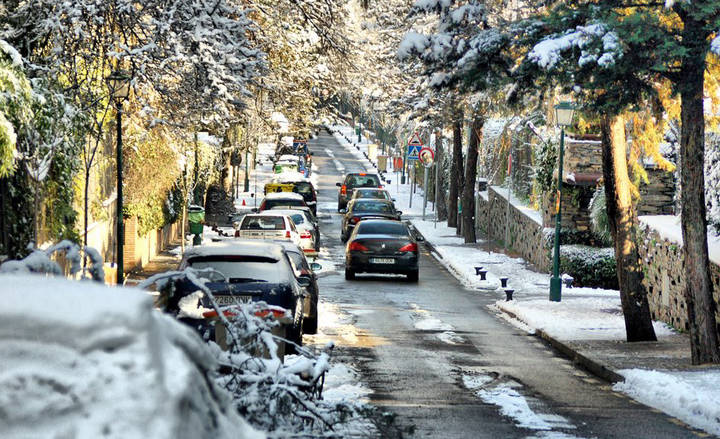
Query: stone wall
[(664, 277), (657, 196), (582, 155), (526, 235)]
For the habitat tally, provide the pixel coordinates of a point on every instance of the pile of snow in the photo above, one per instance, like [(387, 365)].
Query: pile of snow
[(82, 360)]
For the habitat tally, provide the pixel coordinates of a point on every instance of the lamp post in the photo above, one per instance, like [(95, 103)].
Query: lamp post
[(246, 186), (563, 117), (119, 84)]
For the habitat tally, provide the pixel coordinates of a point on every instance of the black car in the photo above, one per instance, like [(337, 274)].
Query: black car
[(304, 268), (250, 270), (381, 246), (352, 181), (361, 209)]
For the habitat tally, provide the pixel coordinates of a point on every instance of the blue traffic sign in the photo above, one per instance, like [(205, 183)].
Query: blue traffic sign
[(414, 152)]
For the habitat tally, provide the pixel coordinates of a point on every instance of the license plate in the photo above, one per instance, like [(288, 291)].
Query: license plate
[(382, 260), (232, 300)]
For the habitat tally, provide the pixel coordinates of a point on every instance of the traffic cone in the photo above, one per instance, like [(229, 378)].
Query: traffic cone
[(243, 202)]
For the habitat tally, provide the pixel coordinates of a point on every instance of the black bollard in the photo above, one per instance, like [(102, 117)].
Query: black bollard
[(482, 274), (477, 271), (504, 281), (508, 295)]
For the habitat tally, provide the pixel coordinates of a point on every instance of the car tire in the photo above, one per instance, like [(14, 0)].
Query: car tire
[(343, 237), (310, 325), (349, 274), (413, 276)]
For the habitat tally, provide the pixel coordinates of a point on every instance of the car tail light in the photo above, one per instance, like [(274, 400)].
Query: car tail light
[(305, 235), (412, 247), (357, 247), (287, 233), (343, 190), (380, 186), (355, 220)]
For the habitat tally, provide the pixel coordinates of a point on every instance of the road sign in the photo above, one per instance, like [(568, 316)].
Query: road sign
[(427, 157), (299, 143), (414, 147)]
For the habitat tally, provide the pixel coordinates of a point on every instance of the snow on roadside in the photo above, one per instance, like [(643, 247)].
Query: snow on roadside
[(690, 396)]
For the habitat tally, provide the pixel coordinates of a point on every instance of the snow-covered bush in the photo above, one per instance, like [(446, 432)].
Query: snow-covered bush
[(40, 262), (283, 398), (589, 266)]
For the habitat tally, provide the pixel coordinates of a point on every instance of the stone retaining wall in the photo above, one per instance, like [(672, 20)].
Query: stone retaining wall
[(526, 235), (664, 278)]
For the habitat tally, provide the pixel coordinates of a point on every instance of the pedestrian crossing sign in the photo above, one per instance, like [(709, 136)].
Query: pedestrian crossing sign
[(414, 152)]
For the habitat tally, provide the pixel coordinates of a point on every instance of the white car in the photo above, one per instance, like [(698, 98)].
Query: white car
[(281, 199), (268, 226), (308, 239)]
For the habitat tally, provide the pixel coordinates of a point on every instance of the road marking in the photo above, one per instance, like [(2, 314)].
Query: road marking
[(330, 153), (339, 166)]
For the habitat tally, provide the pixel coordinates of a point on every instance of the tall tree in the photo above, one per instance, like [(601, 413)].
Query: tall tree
[(468, 192), (456, 169)]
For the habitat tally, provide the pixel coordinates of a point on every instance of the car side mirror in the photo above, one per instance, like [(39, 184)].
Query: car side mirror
[(304, 281), (312, 153), (343, 211), (338, 184), (420, 239), (399, 212), (254, 209), (314, 266), (393, 200)]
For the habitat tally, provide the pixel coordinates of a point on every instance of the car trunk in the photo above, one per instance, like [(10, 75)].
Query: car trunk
[(383, 244)]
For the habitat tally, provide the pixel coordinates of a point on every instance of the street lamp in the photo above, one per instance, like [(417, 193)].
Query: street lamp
[(119, 85), (563, 117)]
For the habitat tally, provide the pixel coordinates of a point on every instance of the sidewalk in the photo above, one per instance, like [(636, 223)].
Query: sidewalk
[(587, 326), (166, 260)]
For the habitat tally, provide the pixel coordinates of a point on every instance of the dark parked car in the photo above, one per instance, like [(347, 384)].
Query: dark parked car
[(250, 270), (381, 246), (304, 268), (352, 181), (366, 208)]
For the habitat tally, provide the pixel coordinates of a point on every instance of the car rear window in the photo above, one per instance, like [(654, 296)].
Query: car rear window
[(269, 204), (297, 218), (374, 228), (263, 223), (368, 180), (370, 206), (303, 188), (244, 268), (365, 193)]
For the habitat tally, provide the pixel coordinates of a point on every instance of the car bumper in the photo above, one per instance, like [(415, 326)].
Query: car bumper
[(369, 263)]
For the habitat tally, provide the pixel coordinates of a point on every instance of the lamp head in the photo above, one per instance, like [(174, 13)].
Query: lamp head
[(119, 84), (564, 112)]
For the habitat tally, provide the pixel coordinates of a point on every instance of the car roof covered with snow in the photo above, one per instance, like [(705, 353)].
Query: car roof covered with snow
[(284, 196), (79, 359), (290, 177), (237, 247), (288, 157)]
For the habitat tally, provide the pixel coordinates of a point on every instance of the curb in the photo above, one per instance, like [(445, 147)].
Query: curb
[(599, 370)]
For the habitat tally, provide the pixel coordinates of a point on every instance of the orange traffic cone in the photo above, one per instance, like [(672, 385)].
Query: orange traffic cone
[(243, 202)]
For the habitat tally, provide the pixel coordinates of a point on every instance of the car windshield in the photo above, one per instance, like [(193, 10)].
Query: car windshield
[(363, 180), (371, 206), (372, 193), (269, 204), (263, 223), (297, 218), (382, 228), (302, 188), (243, 268)]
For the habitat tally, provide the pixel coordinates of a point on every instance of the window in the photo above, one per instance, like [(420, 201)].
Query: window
[(382, 228), (263, 223), (243, 267)]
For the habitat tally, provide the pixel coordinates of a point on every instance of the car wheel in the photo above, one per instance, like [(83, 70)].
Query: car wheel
[(343, 237), (310, 325), (349, 274), (413, 276)]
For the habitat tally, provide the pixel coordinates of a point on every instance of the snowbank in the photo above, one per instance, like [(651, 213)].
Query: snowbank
[(78, 359)]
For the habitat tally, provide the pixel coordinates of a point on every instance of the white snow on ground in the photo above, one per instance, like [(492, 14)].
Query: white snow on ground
[(591, 316), (120, 369), (342, 383), (507, 396), (690, 396), (584, 313)]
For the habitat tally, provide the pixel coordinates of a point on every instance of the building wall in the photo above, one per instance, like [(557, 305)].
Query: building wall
[(662, 265), (526, 234)]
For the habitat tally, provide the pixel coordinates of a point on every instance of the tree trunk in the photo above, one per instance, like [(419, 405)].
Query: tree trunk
[(698, 288), (86, 201), (618, 201), (468, 192), (441, 201), (456, 171)]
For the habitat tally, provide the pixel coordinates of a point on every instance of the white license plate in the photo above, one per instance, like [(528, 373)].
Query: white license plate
[(382, 260), (232, 300)]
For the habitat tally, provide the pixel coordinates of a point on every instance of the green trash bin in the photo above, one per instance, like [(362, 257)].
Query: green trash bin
[(196, 219)]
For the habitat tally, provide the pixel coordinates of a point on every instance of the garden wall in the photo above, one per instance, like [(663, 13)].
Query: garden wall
[(526, 235), (660, 249), (138, 250)]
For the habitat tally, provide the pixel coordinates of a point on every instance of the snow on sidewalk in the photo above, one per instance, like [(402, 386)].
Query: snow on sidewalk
[(583, 314)]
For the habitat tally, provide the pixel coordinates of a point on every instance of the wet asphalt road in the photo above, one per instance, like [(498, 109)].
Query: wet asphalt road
[(418, 346)]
